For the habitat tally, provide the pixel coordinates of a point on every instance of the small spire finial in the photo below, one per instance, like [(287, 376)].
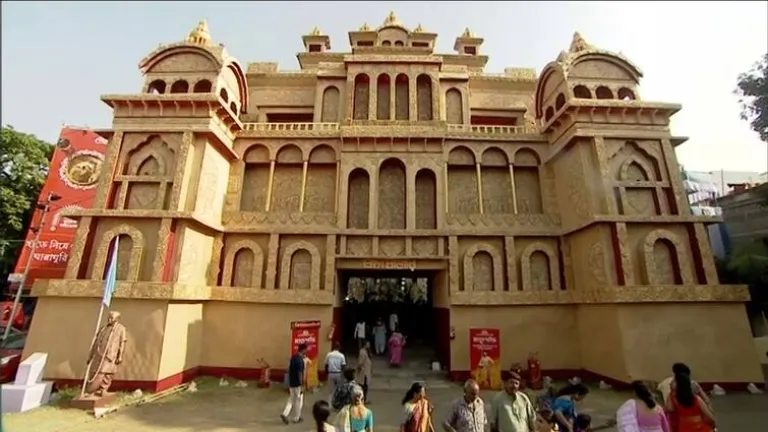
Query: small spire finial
[(467, 33), (365, 27), (200, 35), (418, 29), (391, 18), (579, 44), (316, 31)]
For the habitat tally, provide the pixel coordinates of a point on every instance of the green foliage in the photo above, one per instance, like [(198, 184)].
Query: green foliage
[(752, 89), (24, 161)]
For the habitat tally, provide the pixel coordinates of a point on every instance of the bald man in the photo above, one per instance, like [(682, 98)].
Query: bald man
[(467, 414), (106, 355)]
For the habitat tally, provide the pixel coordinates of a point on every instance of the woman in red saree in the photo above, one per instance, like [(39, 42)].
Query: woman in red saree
[(417, 411), (688, 412)]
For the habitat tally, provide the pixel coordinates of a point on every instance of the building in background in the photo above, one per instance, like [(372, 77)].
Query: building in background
[(73, 175), (245, 199)]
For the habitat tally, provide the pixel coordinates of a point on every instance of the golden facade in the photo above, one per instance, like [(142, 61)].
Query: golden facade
[(550, 207)]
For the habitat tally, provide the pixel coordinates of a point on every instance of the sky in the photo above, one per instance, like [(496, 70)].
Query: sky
[(59, 57)]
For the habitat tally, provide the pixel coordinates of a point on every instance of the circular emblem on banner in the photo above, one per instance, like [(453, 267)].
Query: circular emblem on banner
[(81, 169)]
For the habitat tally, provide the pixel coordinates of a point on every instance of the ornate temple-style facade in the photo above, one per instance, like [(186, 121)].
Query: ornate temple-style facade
[(550, 207)]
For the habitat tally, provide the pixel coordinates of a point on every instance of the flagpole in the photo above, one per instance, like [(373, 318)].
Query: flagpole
[(106, 299), (93, 342)]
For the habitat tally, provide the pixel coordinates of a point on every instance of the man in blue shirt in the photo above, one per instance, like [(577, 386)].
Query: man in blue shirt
[(292, 410)]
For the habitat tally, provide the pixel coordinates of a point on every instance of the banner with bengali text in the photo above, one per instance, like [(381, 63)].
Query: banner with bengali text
[(307, 332), (485, 357), (74, 176)]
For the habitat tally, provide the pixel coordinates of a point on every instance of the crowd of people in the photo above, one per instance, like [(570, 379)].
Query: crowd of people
[(684, 407)]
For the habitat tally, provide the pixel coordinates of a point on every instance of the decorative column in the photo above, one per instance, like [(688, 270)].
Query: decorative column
[(514, 190), (304, 167), (413, 114), (108, 171), (180, 177), (372, 98), (392, 98), (271, 179), (445, 181), (479, 187)]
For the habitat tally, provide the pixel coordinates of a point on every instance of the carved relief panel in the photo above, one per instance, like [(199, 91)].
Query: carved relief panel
[(640, 185), (147, 169)]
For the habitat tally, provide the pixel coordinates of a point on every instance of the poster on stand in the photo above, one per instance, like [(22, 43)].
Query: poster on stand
[(307, 332), (485, 357)]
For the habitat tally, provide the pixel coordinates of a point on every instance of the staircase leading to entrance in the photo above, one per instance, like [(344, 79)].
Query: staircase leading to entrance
[(416, 366)]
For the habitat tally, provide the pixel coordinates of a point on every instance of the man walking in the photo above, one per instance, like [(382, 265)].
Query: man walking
[(335, 362), (467, 414), (360, 334), (512, 410), (292, 410)]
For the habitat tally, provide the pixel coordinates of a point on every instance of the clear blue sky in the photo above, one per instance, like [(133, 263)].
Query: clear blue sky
[(58, 57)]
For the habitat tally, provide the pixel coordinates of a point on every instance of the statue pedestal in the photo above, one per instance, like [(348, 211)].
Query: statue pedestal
[(90, 402), (29, 390)]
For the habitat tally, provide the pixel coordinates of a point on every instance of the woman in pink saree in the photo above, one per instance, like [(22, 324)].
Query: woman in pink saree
[(396, 344), (641, 413)]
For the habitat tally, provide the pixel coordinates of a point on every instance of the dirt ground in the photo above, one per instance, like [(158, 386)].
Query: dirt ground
[(231, 409)]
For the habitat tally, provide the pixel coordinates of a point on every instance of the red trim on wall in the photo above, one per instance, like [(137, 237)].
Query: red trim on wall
[(170, 250)]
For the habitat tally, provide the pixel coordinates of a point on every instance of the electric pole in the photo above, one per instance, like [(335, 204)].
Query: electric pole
[(44, 206)]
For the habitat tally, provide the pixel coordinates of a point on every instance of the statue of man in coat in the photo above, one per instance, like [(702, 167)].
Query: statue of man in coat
[(106, 355)]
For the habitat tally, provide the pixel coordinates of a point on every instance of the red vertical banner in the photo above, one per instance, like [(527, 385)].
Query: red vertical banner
[(307, 333), (73, 175), (485, 357)]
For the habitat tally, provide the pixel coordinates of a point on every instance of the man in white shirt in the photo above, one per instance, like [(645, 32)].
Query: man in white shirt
[(335, 362), (393, 322), (360, 333)]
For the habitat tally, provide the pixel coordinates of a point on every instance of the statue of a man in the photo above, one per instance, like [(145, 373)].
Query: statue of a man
[(106, 355)]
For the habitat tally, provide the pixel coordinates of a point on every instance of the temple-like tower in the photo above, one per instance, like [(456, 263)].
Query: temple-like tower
[(246, 199)]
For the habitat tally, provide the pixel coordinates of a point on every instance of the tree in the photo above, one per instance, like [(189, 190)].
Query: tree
[(752, 89), (24, 161)]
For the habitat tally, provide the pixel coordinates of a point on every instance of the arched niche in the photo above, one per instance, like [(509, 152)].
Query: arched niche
[(553, 270), (358, 198), (626, 94), (224, 95), (424, 97), (137, 248), (202, 86), (635, 169), (256, 267), (559, 101), (469, 267), (454, 107), (154, 147), (286, 267), (527, 181), (361, 97), (153, 160), (383, 85), (603, 92), (157, 86), (426, 199), (497, 185), (330, 105), (463, 195), (286, 184), (253, 192), (551, 77), (180, 86), (630, 153), (402, 98), (320, 194), (582, 92), (679, 264), (392, 195)]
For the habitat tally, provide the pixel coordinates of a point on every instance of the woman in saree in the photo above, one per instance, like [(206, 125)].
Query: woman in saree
[(417, 411), (355, 417), (641, 413), (687, 411), (396, 344)]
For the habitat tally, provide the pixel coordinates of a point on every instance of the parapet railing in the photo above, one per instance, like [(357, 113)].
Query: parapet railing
[(489, 130), (450, 129), (291, 127)]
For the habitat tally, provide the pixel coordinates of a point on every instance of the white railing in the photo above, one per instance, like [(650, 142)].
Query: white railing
[(292, 127), (490, 130)]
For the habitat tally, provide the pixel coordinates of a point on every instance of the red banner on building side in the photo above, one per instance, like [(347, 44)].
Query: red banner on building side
[(485, 357), (307, 333)]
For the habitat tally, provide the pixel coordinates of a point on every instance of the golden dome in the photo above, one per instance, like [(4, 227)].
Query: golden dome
[(316, 32), (392, 21), (579, 44), (200, 34)]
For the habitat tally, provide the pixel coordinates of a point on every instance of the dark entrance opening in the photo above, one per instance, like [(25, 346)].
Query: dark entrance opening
[(374, 295)]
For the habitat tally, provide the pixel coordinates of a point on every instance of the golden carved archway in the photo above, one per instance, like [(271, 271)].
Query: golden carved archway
[(525, 265), (258, 262), (651, 272), (134, 266), (469, 266), (285, 264)]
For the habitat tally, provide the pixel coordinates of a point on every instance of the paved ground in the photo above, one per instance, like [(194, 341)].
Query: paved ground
[(231, 409)]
